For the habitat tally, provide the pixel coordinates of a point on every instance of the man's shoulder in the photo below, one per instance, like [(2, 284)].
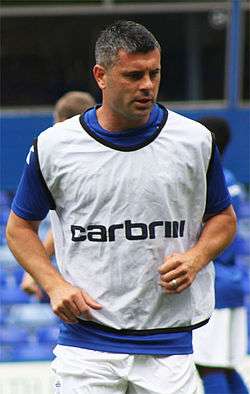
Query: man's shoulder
[(187, 126), (179, 120), (61, 132)]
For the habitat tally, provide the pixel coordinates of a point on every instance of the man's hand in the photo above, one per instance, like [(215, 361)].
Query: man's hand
[(69, 302), (30, 286), (178, 272)]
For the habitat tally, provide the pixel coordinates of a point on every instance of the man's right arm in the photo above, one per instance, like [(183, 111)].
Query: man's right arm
[(68, 302), (31, 205)]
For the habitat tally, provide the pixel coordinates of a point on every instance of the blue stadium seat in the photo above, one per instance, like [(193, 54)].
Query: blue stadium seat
[(245, 209), (13, 335), (14, 295), (3, 278), (11, 276), (34, 352), (26, 352), (7, 353), (5, 199), (4, 214), (48, 334), (2, 235), (10, 279), (3, 314), (17, 273), (31, 315), (7, 260)]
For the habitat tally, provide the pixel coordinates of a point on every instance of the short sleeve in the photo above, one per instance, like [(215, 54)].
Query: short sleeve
[(218, 197), (32, 201)]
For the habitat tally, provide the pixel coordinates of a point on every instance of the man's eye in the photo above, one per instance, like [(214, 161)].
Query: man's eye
[(135, 75), (154, 74)]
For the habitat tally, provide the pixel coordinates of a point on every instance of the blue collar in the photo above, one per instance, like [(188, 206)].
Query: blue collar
[(126, 138)]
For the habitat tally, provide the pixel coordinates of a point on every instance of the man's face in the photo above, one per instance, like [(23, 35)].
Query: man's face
[(131, 85)]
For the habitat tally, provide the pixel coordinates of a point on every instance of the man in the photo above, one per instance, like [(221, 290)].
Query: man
[(128, 182), (221, 345), (70, 104)]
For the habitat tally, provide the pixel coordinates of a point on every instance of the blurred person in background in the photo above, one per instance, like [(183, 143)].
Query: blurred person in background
[(221, 345), (70, 104)]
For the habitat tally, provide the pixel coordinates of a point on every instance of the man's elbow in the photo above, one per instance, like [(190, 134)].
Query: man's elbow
[(14, 228), (230, 222), (230, 212), (10, 232), (225, 221), (234, 221)]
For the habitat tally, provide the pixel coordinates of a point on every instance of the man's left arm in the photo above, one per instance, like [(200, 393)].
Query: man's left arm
[(180, 269)]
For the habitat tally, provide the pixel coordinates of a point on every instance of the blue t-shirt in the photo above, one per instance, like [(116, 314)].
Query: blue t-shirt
[(32, 202)]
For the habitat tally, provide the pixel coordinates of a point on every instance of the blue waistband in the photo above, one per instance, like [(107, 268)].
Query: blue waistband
[(95, 338)]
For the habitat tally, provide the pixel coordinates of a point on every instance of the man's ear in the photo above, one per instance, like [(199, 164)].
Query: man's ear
[(99, 73)]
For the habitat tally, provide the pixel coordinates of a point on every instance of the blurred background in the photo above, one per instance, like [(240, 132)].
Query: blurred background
[(47, 49)]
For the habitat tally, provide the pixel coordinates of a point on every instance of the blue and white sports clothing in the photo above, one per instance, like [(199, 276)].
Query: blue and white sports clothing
[(84, 371), (127, 207)]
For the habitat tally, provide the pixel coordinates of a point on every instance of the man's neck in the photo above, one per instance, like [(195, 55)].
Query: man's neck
[(111, 121)]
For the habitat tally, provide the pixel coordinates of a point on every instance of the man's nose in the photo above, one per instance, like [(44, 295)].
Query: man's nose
[(146, 83)]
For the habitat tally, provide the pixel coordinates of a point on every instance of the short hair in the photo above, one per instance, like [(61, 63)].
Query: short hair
[(71, 104), (220, 128), (127, 35)]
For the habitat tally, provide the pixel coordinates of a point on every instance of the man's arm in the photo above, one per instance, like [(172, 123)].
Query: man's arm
[(217, 233), (67, 301), (28, 283), (48, 243)]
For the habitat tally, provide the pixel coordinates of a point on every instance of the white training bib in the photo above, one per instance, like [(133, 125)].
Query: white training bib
[(119, 212)]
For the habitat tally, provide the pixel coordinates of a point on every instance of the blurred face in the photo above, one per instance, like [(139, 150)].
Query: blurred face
[(130, 87)]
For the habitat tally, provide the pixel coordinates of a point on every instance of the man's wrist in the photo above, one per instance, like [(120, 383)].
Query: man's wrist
[(52, 282), (200, 257)]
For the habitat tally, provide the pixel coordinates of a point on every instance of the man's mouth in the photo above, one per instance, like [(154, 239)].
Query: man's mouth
[(144, 100)]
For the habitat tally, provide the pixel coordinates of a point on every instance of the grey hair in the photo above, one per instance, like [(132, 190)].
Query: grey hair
[(127, 35)]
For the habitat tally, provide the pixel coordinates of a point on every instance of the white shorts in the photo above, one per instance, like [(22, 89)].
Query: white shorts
[(80, 371), (222, 342)]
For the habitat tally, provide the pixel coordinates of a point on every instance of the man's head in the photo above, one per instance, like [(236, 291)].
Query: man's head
[(72, 103), (220, 128), (127, 70)]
